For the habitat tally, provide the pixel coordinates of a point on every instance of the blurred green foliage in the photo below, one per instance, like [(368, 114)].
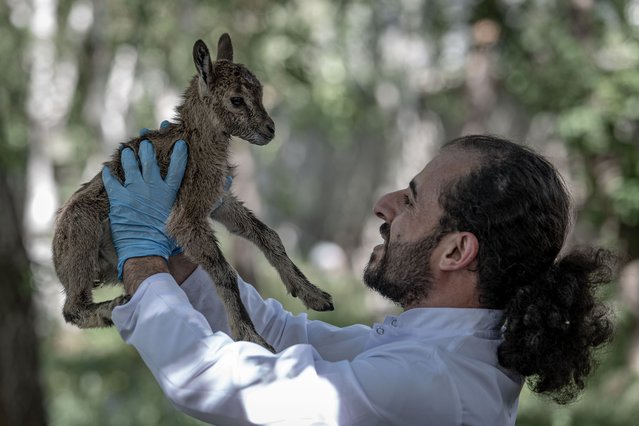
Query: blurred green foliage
[(103, 383), (356, 89)]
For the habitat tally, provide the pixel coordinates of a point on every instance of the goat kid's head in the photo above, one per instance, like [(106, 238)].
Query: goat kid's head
[(233, 93)]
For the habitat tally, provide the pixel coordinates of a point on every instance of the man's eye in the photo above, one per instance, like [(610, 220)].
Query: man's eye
[(407, 200), (237, 101)]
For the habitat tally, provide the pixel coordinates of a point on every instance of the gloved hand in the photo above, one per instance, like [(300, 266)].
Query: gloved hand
[(227, 182), (164, 125), (140, 208)]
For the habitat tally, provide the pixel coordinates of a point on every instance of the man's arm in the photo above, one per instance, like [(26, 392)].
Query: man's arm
[(277, 325), (216, 380)]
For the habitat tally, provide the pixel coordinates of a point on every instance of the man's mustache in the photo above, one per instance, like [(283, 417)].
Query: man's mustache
[(384, 230)]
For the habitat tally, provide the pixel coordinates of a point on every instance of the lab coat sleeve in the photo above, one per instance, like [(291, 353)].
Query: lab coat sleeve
[(275, 324), (210, 377)]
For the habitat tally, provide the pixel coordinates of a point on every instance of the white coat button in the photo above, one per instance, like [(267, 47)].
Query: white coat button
[(394, 323), (380, 330)]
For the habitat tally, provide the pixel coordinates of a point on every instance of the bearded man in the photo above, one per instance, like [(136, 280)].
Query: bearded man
[(471, 252)]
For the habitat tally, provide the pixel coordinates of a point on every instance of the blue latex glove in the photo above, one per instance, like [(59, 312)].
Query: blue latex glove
[(227, 183), (140, 208), (143, 131)]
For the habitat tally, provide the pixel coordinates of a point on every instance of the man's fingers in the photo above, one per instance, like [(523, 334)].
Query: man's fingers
[(110, 182), (164, 126), (130, 166), (150, 168), (177, 166)]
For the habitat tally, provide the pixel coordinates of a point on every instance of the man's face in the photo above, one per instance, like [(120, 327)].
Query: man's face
[(403, 267)]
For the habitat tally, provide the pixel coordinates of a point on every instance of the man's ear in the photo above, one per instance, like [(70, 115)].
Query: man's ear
[(460, 250)]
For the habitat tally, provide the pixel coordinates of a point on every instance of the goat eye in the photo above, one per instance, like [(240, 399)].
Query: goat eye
[(237, 101)]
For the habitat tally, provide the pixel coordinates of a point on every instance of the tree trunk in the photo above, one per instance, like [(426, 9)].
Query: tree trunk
[(21, 401)]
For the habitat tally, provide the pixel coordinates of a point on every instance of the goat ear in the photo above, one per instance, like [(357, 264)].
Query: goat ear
[(202, 60), (225, 48)]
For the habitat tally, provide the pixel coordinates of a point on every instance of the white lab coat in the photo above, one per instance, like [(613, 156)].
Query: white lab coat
[(427, 366)]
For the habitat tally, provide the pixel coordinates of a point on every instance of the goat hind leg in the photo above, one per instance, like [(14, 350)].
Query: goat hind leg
[(79, 266), (199, 243), (80, 310)]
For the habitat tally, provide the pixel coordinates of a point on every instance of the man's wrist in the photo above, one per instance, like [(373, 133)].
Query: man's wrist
[(138, 269)]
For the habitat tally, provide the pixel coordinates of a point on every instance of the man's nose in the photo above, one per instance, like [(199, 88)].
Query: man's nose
[(386, 207)]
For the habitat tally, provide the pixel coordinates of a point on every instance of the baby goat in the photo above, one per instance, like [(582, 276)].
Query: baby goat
[(224, 99)]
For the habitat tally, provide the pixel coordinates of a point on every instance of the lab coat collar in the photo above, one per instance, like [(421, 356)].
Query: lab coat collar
[(452, 319)]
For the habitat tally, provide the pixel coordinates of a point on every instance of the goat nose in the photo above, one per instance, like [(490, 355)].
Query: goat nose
[(270, 128)]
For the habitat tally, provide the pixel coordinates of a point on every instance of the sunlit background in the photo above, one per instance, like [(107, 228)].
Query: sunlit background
[(362, 93)]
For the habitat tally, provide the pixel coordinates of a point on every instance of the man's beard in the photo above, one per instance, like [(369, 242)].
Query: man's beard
[(403, 274)]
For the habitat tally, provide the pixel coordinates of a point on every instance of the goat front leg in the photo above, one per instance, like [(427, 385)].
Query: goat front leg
[(241, 221), (200, 244)]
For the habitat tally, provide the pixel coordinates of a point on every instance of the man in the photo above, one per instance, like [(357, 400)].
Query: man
[(470, 251)]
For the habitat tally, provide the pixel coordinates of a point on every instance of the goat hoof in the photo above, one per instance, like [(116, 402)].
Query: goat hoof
[(316, 299), (328, 307)]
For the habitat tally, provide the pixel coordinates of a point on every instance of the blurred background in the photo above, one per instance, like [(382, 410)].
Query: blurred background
[(363, 93)]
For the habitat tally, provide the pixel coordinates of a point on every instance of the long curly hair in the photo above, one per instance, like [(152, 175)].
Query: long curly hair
[(516, 204)]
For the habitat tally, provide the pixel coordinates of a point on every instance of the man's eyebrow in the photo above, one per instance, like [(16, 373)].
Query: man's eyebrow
[(412, 189)]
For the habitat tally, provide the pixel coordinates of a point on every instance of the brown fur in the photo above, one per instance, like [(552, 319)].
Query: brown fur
[(83, 253)]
